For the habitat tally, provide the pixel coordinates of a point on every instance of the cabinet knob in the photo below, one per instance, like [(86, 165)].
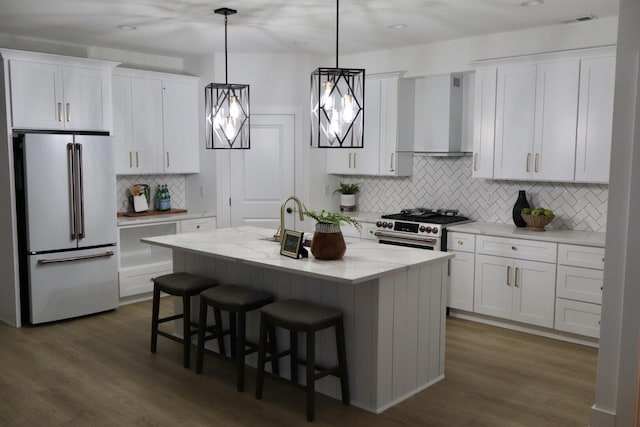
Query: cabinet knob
[(602, 259), (513, 248), (198, 226), (460, 242)]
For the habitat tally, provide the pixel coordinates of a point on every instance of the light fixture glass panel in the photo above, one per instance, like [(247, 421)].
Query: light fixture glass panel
[(337, 108), (227, 116)]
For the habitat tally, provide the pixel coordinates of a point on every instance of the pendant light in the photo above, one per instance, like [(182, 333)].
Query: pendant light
[(227, 107), (337, 104)]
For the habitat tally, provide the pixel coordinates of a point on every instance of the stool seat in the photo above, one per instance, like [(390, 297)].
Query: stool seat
[(302, 314), (182, 285), (179, 284), (234, 296)]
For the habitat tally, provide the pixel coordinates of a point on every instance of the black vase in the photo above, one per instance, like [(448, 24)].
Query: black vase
[(517, 208)]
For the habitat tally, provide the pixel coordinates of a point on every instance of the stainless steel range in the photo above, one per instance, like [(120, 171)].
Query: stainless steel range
[(419, 228)]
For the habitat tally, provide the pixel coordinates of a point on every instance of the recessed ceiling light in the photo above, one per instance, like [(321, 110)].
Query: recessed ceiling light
[(531, 3), (398, 26), (127, 27)]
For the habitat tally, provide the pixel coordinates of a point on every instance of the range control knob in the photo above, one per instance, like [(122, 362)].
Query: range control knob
[(423, 228), (435, 230), (389, 225), (379, 224), (428, 229)]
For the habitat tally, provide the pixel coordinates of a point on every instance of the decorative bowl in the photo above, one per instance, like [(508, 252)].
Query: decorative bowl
[(537, 222)]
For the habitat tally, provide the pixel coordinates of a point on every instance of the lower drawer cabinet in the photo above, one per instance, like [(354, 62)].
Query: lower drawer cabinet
[(578, 317), (139, 280)]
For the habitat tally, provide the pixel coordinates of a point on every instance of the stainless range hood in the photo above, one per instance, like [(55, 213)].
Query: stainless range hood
[(443, 122)]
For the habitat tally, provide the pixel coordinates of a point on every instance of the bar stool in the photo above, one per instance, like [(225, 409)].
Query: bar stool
[(183, 285), (299, 316), (237, 301)]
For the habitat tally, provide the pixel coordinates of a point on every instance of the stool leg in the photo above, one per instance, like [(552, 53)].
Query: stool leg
[(342, 361), (293, 357), (154, 318), (240, 351), (311, 373), (233, 332), (218, 316), (202, 328), (273, 344), (262, 348), (186, 329)]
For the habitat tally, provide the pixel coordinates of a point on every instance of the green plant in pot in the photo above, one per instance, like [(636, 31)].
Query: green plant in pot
[(328, 241), (348, 193)]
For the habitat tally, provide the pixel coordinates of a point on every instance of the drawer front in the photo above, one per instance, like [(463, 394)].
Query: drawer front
[(581, 256), (199, 224), (463, 242), (135, 281), (582, 284), (531, 250), (578, 317), (368, 231)]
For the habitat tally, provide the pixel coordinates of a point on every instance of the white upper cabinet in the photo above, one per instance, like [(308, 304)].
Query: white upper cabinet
[(156, 122), (595, 119), (553, 115), (536, 121), (484, 123), (50, 92), (388, 131)]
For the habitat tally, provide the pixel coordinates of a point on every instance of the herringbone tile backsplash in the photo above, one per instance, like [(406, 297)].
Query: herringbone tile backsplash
[(175, 183), (446, 182)]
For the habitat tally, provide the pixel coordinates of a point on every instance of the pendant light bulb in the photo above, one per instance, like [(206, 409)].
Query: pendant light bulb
[(230, 128), (327, 96), (234, 108), (348, 108)]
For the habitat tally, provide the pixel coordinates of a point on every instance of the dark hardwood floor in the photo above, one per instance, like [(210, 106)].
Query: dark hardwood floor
[(98, 371)]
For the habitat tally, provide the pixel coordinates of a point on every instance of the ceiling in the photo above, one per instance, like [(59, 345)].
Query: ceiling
[(189, 27)]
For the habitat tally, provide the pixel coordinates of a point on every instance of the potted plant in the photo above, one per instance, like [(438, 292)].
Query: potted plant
[(348, 193), (328, 241)]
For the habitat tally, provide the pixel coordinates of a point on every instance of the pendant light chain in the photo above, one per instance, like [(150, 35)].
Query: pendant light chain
[(226, 61), (337, 29)]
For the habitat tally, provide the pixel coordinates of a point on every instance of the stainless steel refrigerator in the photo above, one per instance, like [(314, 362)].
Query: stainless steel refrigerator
[(66, 202)]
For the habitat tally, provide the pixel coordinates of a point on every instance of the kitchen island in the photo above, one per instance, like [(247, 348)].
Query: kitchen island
[(393, 299)]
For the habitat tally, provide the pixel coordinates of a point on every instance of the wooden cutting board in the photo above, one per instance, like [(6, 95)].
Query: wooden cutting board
[(151, 213)]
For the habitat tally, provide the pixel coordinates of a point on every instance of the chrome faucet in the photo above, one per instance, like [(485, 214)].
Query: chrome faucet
[(278, 235)]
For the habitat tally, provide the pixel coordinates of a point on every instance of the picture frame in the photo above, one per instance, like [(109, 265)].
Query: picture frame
[(291, 243)]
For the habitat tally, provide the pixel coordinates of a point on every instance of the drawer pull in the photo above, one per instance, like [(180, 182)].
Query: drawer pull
[(508, 276), (460, 242), (528, 162), (602, 259), (513, 248), (516, 281), (198, 226)]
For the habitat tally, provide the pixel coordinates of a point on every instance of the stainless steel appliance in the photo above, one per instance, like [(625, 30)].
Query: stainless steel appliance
[(66, 202), (419, 228)]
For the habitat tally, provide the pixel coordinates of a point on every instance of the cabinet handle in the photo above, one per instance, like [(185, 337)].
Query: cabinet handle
[(516, 281), (537, 158), (514, 248), (168, 162), (508, 276), (137, 160), (449, 267), (354, 161), (475, 162), (528, 162), (391, 165), (460, 242), (130, 159), (198, 227), (59, 111), (602, 259), (68, 112), (350, 160)]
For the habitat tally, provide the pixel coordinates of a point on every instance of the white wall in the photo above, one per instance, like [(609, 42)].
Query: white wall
[(617, 378)]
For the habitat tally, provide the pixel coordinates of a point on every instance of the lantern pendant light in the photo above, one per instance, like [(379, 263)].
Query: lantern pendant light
[(337, 104), (227, 107)]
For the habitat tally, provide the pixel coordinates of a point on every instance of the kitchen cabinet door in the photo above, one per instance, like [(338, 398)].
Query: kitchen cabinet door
[(396, 126), (534, 292), (122, 126), (146, 116), (461, 284), (554, 144), (484, 122), (493, 286), (180, 126), (36, 95), (87, 99), (595, 119)]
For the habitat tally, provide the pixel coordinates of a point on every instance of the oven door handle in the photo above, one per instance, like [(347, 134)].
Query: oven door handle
[(403, 237)]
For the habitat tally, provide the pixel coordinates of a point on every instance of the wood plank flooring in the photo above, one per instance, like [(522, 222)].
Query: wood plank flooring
[(98, 371)]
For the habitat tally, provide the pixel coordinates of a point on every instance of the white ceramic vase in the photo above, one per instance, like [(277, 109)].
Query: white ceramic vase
[(347, 202)]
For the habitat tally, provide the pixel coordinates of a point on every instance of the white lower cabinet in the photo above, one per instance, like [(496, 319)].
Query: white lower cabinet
[(461, 270), (578, 317), (514, 287), (196, 225)]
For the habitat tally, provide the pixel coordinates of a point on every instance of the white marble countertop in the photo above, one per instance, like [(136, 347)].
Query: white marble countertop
[(587, 238), (364, 260), (138, 220)]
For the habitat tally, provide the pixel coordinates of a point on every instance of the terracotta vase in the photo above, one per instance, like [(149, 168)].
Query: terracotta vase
[(328, 242)]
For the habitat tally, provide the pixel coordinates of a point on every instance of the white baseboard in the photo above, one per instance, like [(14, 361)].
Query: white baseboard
[(601, 418)]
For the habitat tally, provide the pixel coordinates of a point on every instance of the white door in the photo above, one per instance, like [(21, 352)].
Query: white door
[(484, 122), (461, 285), (493, 286), (534, 292), (180, 121), (87, 99), (122, 125), (146, 111), (263, 176)]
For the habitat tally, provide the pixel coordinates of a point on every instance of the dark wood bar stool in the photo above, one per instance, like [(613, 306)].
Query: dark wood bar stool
[(183, 285), (237, 301), (299, 316)]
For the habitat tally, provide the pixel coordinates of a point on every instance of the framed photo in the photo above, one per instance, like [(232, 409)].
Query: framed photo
[(291, 243)]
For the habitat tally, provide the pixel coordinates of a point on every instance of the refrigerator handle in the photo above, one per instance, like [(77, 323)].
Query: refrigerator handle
[(72, 189), (75, 258), (80, 191)]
